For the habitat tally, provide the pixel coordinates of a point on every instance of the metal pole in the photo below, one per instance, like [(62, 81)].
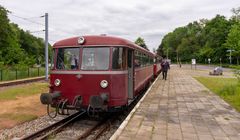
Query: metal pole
[(16, 74), (46, 46), (167, 53), (230, 57), (1, 75)]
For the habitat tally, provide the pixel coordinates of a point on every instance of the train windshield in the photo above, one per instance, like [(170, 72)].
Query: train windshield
[(67, 58), (95, 59)]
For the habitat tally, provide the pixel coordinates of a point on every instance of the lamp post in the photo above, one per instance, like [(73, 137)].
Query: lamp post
[(220, 59), (167, 53), (230, 57), (46, 46)]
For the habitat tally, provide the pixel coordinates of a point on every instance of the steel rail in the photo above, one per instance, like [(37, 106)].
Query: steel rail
[(54, 128), (101, 130)]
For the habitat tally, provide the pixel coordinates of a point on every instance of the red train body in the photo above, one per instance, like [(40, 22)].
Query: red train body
[(98, 73), (157, 65)]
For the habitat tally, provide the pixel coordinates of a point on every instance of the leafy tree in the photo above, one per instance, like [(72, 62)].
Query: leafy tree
[(200, 40), (214, 35), (9, 46), (140, 42), (233, 40), (18, 47), (236, 14)]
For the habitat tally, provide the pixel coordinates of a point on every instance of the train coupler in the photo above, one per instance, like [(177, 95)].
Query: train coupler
[(47, 98)]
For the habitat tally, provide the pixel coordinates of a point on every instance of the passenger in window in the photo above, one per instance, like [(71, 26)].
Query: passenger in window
[(74, 62), (136, 63)]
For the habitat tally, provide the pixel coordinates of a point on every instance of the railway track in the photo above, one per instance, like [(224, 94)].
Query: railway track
[(92, 131), (22, 81), (54, 128)]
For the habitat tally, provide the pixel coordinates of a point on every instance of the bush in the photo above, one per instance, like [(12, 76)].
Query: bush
[(20, 66), (1, 65), (237, 74)]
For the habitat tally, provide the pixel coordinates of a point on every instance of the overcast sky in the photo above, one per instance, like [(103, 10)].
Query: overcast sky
[(150, 19)]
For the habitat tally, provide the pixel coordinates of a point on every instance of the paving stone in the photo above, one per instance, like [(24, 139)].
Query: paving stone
[(142, 137), (205, 137), (182, 108), (159, 137), (190, 136), (124, 138), (129, 133)]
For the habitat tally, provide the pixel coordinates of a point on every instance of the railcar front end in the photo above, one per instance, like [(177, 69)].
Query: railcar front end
[(96, 74)]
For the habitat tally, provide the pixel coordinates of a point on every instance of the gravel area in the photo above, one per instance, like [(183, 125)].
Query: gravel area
[(71, 132), (78, 128), (27, 128)]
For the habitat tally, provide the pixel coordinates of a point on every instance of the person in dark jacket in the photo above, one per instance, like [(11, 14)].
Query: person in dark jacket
[(165, 67)]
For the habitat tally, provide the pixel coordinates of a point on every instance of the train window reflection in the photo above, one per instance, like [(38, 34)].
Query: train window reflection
[(95, 59), (67, 59), (119, 58)]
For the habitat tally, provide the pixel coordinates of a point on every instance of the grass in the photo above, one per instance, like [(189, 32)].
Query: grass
[(22, 91), (234, 67), (226, 88), (19, 118)]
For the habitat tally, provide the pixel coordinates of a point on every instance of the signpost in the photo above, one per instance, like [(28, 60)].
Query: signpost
[(220, 59), (230, 57), (209, 61), (193, 63)]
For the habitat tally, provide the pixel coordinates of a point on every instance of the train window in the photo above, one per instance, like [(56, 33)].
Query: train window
[(119, 58), (144, 59), (152, 60), (95, 59), (52, 58), (67, 59), (137, 60)]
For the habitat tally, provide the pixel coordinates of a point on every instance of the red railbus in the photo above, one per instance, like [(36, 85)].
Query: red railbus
[(97, 73)]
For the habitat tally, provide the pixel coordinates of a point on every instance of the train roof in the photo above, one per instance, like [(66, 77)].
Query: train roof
[(98, 40)]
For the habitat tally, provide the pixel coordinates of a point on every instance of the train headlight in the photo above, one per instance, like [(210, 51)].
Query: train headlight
[(104, 83), (57, 82)]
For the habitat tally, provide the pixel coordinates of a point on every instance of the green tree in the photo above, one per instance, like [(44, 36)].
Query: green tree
[(233, 40), (18, 46), (140, 42), (9, 46)]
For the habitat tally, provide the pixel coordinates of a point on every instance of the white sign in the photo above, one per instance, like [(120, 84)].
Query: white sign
[(209, 60), (193, 61)]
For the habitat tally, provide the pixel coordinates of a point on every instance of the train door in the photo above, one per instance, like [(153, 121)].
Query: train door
[(130, 74)]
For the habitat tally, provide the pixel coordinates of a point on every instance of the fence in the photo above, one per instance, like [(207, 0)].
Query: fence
[(10, 74)]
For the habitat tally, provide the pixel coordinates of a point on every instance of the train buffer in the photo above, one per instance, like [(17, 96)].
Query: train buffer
[(180, 109)]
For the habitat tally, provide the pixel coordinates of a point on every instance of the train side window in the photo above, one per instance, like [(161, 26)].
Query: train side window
[(144, 59), (52, 59), (119, 58), (67, 59), (137, 60)]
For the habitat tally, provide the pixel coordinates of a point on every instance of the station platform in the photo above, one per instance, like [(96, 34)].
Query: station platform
[(180, 108)]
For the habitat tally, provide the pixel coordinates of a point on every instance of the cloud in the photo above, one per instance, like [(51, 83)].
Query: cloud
[(150, 19)]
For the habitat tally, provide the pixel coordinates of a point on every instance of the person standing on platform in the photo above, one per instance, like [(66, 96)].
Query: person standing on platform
[(165, 67)]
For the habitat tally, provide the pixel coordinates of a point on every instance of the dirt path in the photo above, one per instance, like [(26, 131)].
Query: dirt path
[(22, 109)]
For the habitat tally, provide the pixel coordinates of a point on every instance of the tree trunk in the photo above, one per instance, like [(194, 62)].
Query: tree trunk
[(237, 60)]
